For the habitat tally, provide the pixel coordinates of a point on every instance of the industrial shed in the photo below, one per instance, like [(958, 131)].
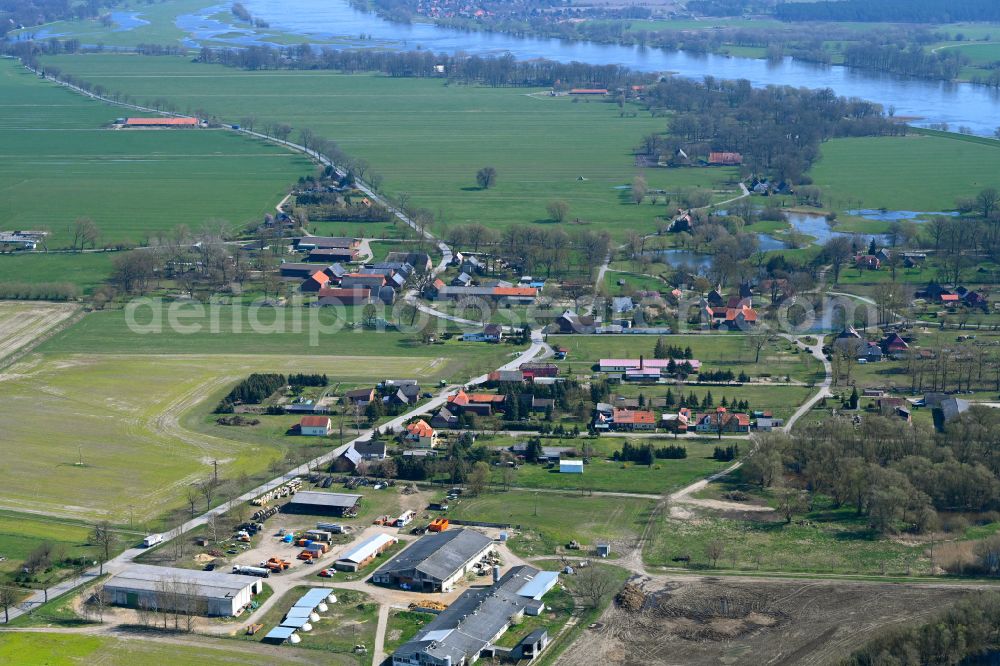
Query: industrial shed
[(468, 629), (183, 590), (434, 563), (366, 551), (323, 504)]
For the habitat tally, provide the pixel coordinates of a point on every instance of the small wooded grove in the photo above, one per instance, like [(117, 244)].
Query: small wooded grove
[(778, 130), (259, 386), (901, 477), (969, 628)]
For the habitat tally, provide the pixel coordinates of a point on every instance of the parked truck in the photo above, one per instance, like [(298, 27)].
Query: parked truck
[(252, 571), (152, 540)]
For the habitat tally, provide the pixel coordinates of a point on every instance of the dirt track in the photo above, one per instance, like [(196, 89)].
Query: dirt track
[(720, 621)]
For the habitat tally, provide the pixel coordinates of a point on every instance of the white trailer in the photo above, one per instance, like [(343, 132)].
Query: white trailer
[(152, 540)]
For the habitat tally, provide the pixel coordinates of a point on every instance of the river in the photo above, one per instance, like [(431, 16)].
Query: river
[(957, 104)]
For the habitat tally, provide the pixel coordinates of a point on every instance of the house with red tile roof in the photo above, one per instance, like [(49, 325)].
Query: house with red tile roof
[(315, 426), (633, 419), (724, 420), (340, 296), (420, 434), (315, 282)]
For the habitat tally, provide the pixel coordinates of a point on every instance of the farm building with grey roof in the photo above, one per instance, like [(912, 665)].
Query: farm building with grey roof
[(434, 563)]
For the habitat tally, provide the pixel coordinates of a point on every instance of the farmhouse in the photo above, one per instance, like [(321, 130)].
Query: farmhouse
[(161, 122), (490, 333), (315, 426), (349, 460), (420, 433), (467, 630), (628, 419), (359, 397), (481, 404), (365, 552), (723, 421), (323, 504), (209, 593), (434, 563), (420, 261)]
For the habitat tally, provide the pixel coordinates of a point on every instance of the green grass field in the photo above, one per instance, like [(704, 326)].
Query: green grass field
[(88, 270), (715, 351), (916, 172), (139, 424), (59, 164), (543, 148), (43, 649), (282, 331), (544, 517), (603, 474), (349, 622)]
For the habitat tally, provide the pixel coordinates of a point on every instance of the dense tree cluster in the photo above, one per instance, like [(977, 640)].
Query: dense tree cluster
[(645, 454), (968, 629), (534, 249), (252, 390), (777, 130), (909, 60), (662, 350), (303, 379), (39, 291), (496, 71), (891, 11), (898, 477)]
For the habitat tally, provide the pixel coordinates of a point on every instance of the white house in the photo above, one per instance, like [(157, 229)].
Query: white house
[(315, 426), (570, 466)]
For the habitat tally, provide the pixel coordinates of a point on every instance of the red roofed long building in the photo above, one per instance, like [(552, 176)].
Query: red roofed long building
[(633, 419), (335, 296), (725, 159), (161, 122)]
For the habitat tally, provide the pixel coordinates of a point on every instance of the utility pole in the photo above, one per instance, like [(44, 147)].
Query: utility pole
[(215, 464)]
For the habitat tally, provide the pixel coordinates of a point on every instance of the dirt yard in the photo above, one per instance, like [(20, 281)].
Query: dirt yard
[(723, 621)]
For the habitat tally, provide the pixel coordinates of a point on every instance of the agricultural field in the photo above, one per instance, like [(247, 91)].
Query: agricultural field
[(136, 411), (87, 270), (716, 351), (23, 323), (543, 148), (265, 331), (542, 517), (132, 184), (923, 172), (44, 649)]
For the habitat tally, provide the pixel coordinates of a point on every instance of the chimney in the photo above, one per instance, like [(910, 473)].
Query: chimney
[(496, 574)]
